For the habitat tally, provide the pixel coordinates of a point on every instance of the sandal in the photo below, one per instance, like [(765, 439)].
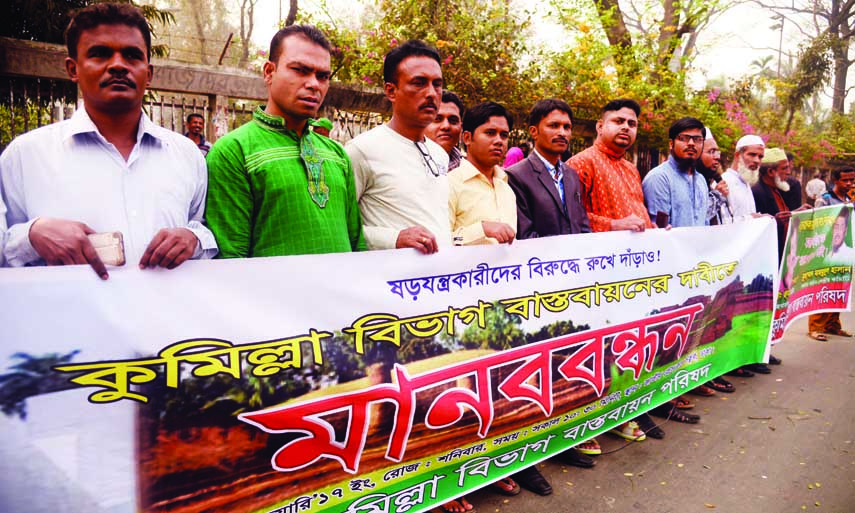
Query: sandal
[(840, 332), (459, 505), (629, 431), (682, 403), (721, 385), (669, 412), (703, 391), (506, 486), (818, 336), (739, 372), (590, 447)]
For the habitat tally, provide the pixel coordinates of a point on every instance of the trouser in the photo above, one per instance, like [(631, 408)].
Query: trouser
[(824, 322)]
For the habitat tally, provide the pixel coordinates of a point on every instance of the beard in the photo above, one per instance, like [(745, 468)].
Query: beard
[(748, 176), (782, 184), (685, 164), (708, 173)]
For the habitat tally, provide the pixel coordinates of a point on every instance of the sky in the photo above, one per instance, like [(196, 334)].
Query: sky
[(725, 48)]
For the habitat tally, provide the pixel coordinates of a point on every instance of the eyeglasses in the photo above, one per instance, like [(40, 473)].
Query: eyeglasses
[(697, 139), (429, 162)]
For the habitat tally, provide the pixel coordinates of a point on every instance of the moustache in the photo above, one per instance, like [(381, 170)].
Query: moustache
[(122, 81), (561, 139)]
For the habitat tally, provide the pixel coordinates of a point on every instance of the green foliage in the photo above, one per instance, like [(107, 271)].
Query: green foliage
[(480, 43), (46, 21), (502, 331), (31, 376)]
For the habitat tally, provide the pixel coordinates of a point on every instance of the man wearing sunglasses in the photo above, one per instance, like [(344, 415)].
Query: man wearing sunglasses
[(275, 186), (400, 174)]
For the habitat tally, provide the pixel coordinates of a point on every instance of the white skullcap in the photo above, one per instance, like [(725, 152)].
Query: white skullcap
[(749, 140), (709, 135)]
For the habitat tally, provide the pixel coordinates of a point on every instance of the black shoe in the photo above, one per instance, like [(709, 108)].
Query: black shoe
[(759, 368), (774, 360), (649, 427), (671, 412), (531, 479), (575, 458)]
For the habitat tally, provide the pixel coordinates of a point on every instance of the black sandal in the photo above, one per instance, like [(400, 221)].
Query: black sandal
[(739, 372), (669, 412), (721, 385)]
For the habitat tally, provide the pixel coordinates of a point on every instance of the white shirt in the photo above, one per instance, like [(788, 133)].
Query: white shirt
[(739, 196), (69, 170), (815, 188), (396, 188)]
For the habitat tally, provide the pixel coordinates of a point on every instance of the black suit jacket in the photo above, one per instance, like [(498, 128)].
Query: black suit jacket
[(539, 209), (764, 200), (793, 197)]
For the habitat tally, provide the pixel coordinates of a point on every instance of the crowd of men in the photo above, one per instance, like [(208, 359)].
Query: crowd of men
[(276, 186)]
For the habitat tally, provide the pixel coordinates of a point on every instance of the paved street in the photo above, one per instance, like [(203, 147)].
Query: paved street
[(783, 442)]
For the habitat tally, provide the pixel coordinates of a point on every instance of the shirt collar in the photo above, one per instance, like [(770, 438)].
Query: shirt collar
[(468, 171), (277, 123), (548, 165), (601, 146), (81, 123)]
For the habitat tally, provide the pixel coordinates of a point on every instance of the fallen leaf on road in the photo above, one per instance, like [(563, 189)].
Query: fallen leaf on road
[(707, 467), (698, 431), (760, 418), (798, 417), (817, 485), (710, 506), (663, 483), (627, 474), (679, 465), (772, 427), (810, 486), (816, 504)]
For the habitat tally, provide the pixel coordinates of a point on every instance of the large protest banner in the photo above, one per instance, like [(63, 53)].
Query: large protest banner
[(816, 270), (371, 382)]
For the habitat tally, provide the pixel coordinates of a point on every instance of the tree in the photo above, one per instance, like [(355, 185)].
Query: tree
[(46, 21), (833, 20), (31, 376)]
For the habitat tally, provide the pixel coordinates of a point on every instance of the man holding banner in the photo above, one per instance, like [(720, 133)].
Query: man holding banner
[(400, 174), (828, 323), (277, 187), (108, 174)]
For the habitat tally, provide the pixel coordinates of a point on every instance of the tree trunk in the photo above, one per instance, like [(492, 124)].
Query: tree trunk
[(613, 23), (292, 14), (840, 51)]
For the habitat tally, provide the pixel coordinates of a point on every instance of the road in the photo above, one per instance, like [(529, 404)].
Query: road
[(783, 442)]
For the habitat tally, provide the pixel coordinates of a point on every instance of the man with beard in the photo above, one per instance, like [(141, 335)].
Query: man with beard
[(768, 193), (445, 128), (614, 201), (743, 174), (718, 210), (828, 323), (108, 168), (674, 187), (548, 198), (791, 188), (677, 190), (400, 174)]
